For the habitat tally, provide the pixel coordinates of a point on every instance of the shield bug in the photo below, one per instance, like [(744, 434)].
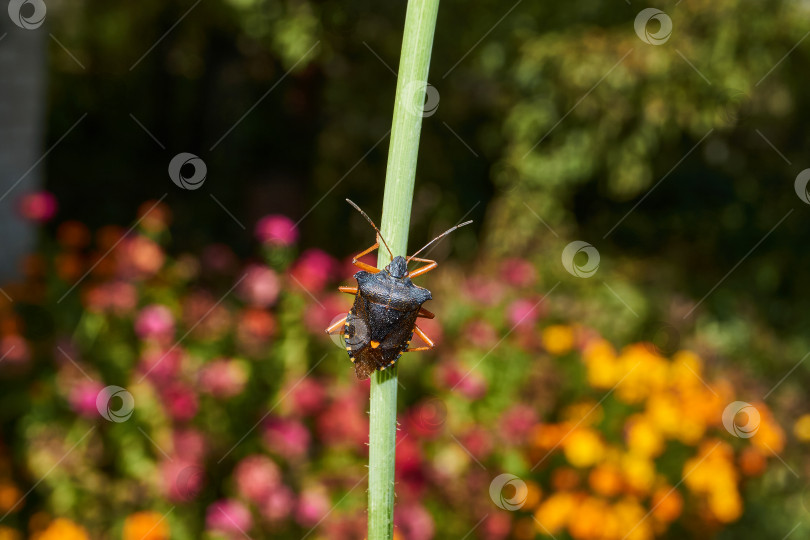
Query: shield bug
[(382, 321)]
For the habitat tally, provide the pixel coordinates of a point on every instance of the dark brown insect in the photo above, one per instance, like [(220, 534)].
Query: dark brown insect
[(382, 321)]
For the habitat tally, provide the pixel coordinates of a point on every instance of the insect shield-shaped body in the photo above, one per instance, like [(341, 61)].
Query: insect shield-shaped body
[(382, 321)]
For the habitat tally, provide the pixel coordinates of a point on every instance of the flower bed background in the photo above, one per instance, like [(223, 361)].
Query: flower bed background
[(245, 419)]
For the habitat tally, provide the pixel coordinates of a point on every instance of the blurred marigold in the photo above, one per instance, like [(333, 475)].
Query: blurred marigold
[(558, 339), (145, 526), (62, 529)]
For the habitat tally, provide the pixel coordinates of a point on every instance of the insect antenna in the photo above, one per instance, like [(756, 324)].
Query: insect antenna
[(445, 233), (375, 227)]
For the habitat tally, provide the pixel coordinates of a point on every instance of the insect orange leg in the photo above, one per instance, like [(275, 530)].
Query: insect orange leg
[(349, 290), (418, 332), (425, 313), (361, 264), (423, 269), (334, 328)]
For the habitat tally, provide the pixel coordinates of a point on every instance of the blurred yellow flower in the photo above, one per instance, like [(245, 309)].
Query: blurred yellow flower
[(558, 339), (633, 520), (605, 479), (533, 494), (583, 447), (667, 504), (554, 512), (643, 438), (802, 428), (603, 368), (145, 526), (590, 516), (769, 436), (638, 472), (62, 529)]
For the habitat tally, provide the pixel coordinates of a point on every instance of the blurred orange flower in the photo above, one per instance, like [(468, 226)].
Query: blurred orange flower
[(145, 526)]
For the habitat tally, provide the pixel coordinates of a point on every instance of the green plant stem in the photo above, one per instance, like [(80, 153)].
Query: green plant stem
[(417, 41)]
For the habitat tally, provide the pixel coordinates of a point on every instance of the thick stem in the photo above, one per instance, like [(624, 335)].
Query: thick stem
[(417, 41)]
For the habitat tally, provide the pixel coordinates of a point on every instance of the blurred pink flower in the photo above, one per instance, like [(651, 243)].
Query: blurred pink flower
[(189, 444), (201, 313), (478, 441), (314, 269), (409, 469), (218, 259), (286, 437), (524, 313), (497, 526), (162, 366), (182, 480), (223, 378), (257, 476), (480, 333), (279, 504), (139, 257), (307, 397), (414, 522), (318, 317), (426, 419), (345, 527), (260, 286), (229, 517), (344, 422), (155, 322), (518, 272), (516, 422), (180, 402), (276, 230), (14, 350), (118, 297), (455, 377), (82, 398), (38, 206), (312, 507), (483, 291)]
